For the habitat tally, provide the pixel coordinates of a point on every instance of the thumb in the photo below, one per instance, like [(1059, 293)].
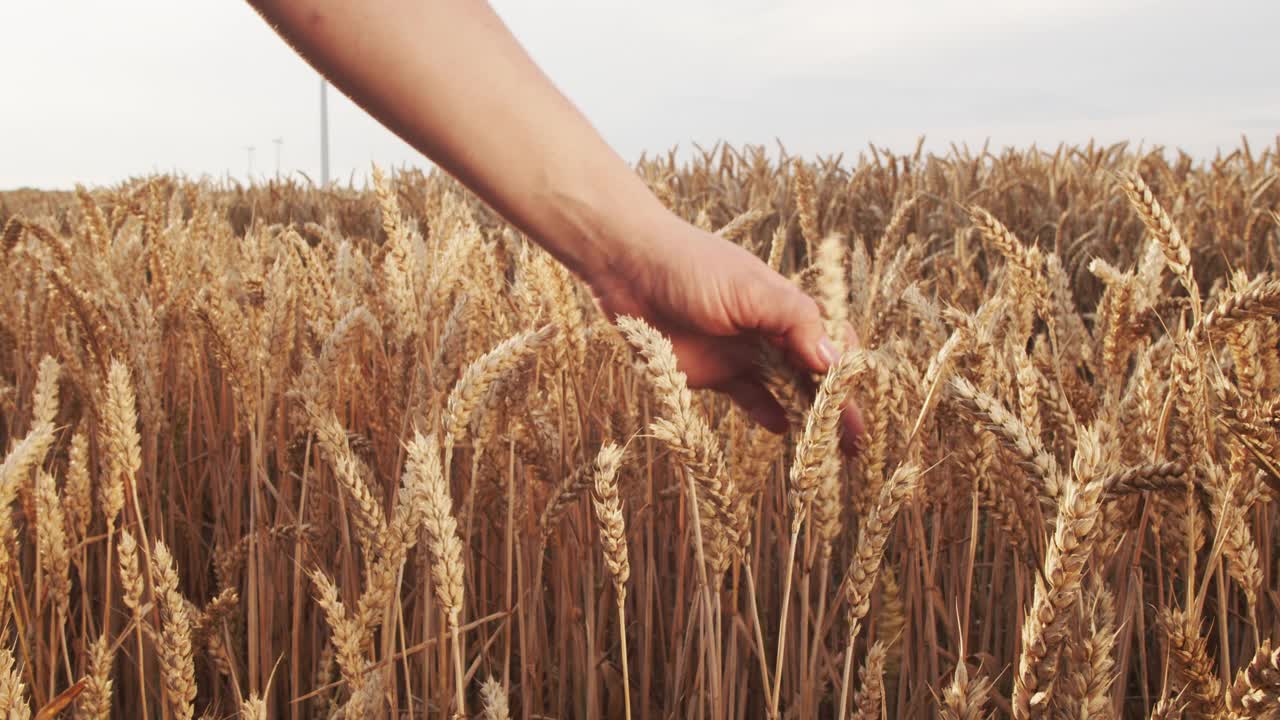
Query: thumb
[(781, 310)]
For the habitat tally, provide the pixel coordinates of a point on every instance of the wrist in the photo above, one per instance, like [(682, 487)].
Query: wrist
[(604, 218)]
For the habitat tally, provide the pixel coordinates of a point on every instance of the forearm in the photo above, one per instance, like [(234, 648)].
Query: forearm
[(448, 77)]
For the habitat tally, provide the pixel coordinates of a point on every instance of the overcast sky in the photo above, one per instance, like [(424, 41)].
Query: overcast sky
[(95, 92)]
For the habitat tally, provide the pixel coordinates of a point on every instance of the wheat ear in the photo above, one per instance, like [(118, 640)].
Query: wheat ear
[(177, 668), (347, 634), (52, 547), (122, 446), (1256, 690), (1177, 252), (965, 698), (691, 439), (1191, 664), (814, 460), (1058, 588), (13, 703), (613, 540), (865, 563), (445, 548), (868, 701), (494, 698), (253, 708), (95, 702)]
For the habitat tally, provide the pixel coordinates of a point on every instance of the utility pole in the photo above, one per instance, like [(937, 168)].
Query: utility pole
[(279, 142), (249, 150), (324, 132)]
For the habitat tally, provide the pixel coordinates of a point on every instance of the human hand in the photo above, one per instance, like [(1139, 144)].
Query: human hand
[(715, 300)]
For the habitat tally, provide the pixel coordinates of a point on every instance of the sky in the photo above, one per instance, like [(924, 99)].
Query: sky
[(95, 92)]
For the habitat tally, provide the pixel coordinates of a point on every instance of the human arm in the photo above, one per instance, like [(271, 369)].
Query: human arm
[(448, 77)]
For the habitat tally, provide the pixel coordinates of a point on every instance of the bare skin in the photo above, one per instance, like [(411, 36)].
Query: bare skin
[(448, 77)]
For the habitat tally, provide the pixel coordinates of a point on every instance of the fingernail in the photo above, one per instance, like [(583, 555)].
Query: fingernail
[(827, 351)]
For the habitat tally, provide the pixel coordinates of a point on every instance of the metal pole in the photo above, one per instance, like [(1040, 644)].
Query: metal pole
[(249, 150), (324, 132), (279, 142)]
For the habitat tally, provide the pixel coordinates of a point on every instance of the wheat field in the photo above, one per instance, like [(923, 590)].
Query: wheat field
[(284, 452)]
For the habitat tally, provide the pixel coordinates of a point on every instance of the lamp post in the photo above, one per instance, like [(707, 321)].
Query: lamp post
[(324, 132)]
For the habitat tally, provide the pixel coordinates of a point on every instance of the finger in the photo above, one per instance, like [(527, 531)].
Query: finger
[(851, 339), (853, 425), (712, 364), (853, 436), (778, 308), (758, 403)]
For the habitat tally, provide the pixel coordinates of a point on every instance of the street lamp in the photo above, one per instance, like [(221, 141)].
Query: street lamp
[(324, 132)]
